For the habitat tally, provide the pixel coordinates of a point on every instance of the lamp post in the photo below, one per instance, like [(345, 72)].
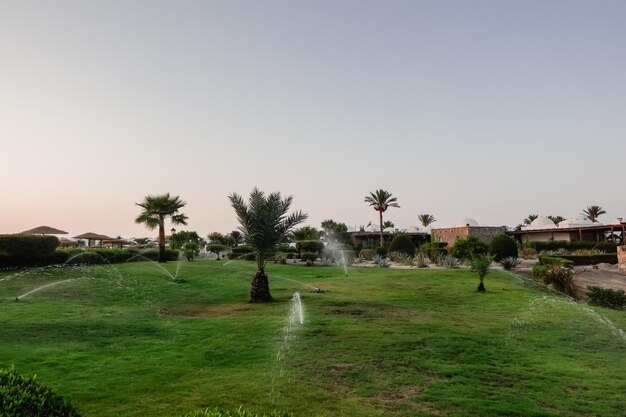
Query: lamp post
[(172, 243)]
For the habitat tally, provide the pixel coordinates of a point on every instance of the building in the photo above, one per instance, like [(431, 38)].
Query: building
[(575, 229), (370, 236), (464, 228)]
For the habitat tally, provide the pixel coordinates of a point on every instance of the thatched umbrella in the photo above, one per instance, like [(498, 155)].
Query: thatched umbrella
[(89, 236), (115, 242), (44, 230)]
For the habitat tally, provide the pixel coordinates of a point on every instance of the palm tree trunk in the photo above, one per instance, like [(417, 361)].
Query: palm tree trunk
[(162, 241), (260, 290), (382, 239)]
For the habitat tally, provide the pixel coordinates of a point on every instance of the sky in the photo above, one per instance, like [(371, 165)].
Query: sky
[(492, 110)]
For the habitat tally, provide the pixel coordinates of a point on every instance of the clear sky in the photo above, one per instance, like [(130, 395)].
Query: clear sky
[(486, 109)]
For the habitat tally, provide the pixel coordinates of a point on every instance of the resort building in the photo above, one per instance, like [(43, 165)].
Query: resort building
[(464, 228), (575, 229), (371, 235)]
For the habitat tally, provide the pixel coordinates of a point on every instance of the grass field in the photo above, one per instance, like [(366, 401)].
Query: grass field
[(125, 340)]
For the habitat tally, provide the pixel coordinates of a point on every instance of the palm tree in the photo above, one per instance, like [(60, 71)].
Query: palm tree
[(556, 219), (156, 208), (593, 212), (381, 200), (528, 220), (426, 219), (264, 224)]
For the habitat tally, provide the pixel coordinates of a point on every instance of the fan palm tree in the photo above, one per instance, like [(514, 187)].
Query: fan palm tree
[(264, 223), (426, 219), (528, 220), (156, 208), (381, 200), (593, 212)]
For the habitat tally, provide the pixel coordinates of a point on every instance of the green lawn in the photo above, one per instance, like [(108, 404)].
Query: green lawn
[(125, 340)]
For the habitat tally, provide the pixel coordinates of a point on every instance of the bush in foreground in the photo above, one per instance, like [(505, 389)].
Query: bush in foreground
[(607, 297), (24, 396)]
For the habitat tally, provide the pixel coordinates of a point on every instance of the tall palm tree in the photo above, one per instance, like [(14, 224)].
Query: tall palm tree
[(381, 200), (593, 212), (528, 220), (264, 223), (426, 219), (156, 208)]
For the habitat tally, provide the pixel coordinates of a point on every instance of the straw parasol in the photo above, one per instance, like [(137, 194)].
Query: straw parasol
[(44, 230), (115, 242), (89, 236)]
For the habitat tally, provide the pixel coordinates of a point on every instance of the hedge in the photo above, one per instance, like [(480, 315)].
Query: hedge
[(309, 246), (608, 247), (609, 258), (553, 260), (27, 250)]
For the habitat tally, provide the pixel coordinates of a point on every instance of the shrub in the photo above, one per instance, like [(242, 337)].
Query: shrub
[(309, 246), (552, 260), (529, 253), (308, 256), (280, 257), (502, 246), (420, 260), (509, 262), (216, 248), (241, 252), (608, 247), (402, 243), (558, 276), (381, 261), (610, 258), (381, 251), (607, 297), (450, 261), (469, 248), (367, 254), (24, 396), (400, 257), (433, 250), (27, 250), (191, 249)]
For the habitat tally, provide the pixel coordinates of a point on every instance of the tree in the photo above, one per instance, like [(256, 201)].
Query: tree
[(156, 208), (528, 220), (216, 248), (387, 224), (481, 265), (381, 200), (264, 223), (593, 212), (556, 219), (305, 233), (426, 219), (178, 239), (335, 232), (190, 250), (236, 237), (218, 238)]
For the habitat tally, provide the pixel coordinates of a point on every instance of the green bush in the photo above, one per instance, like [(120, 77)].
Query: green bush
[(402, 243), (24, 396), (468, 248), (381, 251), (308, 256), (286, 248), (27, 250), (608, 247), (558, 276), (367, 254), (610, 258), (241, 252), (236, 413), (400, 257), (502, 246), (509, 262), (433, 250), (553, 260), (309, 246), (607, 297)]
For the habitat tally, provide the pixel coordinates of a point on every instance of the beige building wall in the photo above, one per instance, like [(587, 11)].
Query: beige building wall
[(545, 237), (451, 234)]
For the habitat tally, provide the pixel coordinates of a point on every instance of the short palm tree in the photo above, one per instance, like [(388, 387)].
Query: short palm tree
[(381, 200), (593, 212), (264, 223), (156, 208), (556, 219), (528, 220), (426, 219)]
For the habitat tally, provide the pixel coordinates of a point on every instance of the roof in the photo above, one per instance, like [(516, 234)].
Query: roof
[(44, 230)]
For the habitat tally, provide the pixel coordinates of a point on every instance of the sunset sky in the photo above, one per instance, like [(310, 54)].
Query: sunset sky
[(486, 109)]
